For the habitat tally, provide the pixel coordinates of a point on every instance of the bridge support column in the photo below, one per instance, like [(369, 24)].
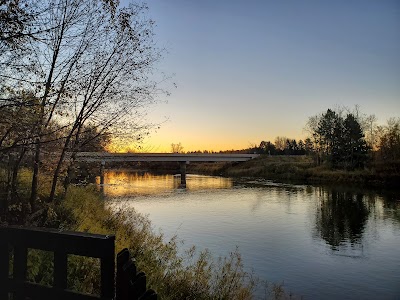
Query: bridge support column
[(183, 173), (103, 163)]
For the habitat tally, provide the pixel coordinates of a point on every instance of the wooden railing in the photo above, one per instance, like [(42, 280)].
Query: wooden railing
[(130, 284)]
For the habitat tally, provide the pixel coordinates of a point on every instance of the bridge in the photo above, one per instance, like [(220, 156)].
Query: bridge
[(183, 159)]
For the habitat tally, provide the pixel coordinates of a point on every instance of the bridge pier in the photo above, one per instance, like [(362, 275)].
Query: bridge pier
[(183, 173), (102, 165)]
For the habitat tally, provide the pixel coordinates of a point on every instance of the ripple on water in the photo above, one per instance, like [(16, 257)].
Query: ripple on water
[(323, 243)]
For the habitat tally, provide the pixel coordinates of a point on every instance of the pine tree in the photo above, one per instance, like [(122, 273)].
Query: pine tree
[(355, 148)]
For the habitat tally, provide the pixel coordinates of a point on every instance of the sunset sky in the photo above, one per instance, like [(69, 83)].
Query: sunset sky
[(248, 71)]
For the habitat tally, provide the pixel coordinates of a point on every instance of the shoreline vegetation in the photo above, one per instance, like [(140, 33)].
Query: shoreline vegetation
[(194, 275), (302, 169)]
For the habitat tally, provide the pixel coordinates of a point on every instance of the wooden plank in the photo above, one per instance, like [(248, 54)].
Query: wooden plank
[(77, 243)]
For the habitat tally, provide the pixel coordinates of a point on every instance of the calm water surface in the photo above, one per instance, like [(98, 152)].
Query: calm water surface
[(322, 243)]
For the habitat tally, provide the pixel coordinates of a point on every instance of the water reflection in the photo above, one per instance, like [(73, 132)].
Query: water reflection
[(324, 243), (341, 218), (391, 208), (122, 183)]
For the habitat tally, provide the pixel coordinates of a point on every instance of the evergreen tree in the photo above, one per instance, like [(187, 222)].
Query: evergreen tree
[(327, 136), (341, 140), (301, 148), (355, 148), (308, 146)]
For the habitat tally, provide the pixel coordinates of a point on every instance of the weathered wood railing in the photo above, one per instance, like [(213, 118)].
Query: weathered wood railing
[(130, 286)]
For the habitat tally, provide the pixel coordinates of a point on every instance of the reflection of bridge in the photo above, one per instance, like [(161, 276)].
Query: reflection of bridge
[(183, 159)]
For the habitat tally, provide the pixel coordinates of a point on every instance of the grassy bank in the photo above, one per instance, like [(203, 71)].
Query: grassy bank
[(192, 276), (303, 169)]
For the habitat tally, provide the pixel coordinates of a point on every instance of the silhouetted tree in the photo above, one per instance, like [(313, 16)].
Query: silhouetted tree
[(177, 148), (370, 127), (389, 140), (267, 148), (340, 140), (84, 62), (326, 133), (280, 143), (93, 140), (354, 148), (301, 148)]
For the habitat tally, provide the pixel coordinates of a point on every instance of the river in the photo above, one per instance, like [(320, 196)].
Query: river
[(320, 242)]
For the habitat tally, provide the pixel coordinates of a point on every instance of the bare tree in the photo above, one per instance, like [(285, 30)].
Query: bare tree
[(176, 148), (389, 140), (115, 90), (369, 124), (280, 142), (89, 64)]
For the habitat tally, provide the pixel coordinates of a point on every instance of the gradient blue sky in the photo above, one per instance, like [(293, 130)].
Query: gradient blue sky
[(248, 71)]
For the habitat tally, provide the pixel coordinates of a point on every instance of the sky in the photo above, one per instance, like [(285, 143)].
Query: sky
[(248, 71)]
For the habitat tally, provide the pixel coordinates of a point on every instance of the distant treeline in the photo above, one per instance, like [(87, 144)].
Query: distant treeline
[(340, 139), (282, 146)]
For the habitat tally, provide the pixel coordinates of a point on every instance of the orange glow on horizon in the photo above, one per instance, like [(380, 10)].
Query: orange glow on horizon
[(153, 145), (113, 148)]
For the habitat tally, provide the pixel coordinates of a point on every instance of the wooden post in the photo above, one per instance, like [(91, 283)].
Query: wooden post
[(3, 264), (107, 265), (183, 174), (19, 272), (130, 284), (60, 269)]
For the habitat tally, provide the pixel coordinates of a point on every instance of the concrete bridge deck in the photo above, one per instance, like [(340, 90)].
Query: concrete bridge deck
[(179, 157)]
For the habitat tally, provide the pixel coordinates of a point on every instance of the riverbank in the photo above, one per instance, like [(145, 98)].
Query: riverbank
[(302, 169), (193, 275)]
